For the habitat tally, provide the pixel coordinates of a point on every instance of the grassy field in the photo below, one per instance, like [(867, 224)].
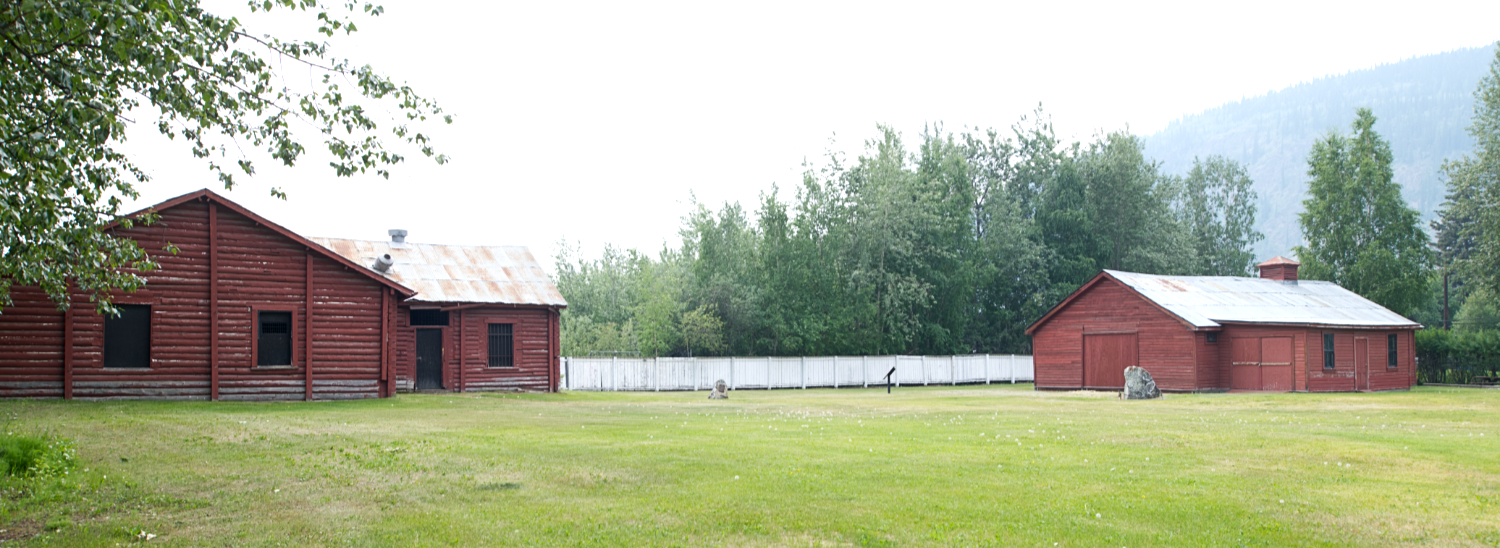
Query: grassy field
[(934, 466)]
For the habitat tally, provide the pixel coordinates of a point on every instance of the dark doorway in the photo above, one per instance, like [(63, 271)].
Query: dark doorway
[(429, 359)]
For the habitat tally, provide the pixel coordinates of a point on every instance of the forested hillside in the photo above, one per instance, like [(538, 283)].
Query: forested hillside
[(1423, 106)]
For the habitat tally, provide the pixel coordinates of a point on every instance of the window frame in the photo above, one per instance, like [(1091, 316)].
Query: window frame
[(489, 357), (1330, 355), (150, 306), (1392, 348), (255, 335), (1212, 337), (411, 317)]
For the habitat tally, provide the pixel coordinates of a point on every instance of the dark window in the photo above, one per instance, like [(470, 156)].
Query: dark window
[(274, 346), (127, 337), (1390, 352), (502, 351), (1328, 351), (1213, 337), (429, 317)]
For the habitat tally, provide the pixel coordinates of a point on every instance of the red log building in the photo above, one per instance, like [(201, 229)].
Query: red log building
[(1218, 333), (244, 310)]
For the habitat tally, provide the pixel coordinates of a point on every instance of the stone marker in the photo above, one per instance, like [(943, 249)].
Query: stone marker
[(721, 391), (1139, 385)]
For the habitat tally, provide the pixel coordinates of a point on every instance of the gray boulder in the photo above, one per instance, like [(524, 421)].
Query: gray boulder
[(1139, 385), (721, 391)]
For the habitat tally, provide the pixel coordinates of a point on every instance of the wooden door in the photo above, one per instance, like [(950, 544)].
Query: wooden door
[(1361, 363), (1276, 364), (429, 359), (1244, 364), (1105, 357)]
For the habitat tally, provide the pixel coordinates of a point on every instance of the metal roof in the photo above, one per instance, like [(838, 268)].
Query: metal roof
[(457, 273), (1204, 301)]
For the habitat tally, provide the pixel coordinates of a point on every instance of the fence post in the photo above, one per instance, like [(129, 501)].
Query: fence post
[(835, 371), (953, 369), (1012, 361), (768, 372), (986, 367), (864, 372), (612, 385), (897, 367), (802, 362), (731, 372), (656, 368)]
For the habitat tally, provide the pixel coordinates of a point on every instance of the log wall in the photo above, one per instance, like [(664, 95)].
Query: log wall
[(247, 266), (466, 349)]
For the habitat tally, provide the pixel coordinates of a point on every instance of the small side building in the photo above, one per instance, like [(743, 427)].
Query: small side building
[(484, 318), (1219, 333)]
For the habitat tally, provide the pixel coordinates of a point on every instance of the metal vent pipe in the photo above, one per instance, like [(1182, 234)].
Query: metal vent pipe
[(383, 263), (397, 235)]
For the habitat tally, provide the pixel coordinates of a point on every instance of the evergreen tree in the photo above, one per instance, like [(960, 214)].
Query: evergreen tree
[(1469, 229), (1360, 234)]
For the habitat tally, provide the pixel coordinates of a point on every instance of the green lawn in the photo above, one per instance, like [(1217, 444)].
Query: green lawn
[(933, 466)]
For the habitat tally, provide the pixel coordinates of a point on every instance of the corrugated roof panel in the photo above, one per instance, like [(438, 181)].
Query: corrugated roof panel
[(1204, 301), (457, 274)]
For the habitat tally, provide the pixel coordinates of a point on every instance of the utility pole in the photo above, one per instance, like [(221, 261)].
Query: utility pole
[(1447, 324)]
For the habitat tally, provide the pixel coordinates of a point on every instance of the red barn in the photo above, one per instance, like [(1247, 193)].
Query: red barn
[(1217, 333), (484, 317), (248, 310)]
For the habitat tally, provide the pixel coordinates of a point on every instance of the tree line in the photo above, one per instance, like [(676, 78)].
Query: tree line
[(951, 244)]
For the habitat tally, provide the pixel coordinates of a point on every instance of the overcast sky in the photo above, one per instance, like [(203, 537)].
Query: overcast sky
[(596, 122)]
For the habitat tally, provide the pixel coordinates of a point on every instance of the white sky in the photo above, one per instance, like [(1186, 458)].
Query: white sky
[(595, 121)]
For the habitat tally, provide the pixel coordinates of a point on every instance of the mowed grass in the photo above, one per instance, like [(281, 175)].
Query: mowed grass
[(926, 466)]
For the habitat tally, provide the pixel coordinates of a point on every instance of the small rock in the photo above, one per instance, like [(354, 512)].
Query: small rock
[(1139, 385), (721, 391)]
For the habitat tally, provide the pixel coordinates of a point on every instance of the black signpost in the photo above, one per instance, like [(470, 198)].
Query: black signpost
[(888, 380)]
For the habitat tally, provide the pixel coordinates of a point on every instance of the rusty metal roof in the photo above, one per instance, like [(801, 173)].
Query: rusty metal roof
[(1204, 301), (456, 273)]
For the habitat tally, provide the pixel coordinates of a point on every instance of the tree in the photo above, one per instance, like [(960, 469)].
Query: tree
[(76, 73), (1469, 226), (702, 331), (1360, 234), (1218, 208)]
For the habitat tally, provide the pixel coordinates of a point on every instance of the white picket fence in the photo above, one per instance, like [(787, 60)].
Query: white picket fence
[(765, 373)]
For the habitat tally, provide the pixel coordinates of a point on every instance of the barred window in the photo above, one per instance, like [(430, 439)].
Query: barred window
[(502, 347), (1328, 351), (127, 337), (273, 338), (1390, 353)]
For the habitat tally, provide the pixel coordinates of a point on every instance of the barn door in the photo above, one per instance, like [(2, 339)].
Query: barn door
[(1361, 363), (429, 359), (1105, 357), (1244, 364), (1276, 364)]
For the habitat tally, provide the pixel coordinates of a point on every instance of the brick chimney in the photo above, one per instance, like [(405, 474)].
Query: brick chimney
[(1279, 268)]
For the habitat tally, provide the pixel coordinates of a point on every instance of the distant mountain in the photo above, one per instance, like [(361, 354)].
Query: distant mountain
[(1422, 106)]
